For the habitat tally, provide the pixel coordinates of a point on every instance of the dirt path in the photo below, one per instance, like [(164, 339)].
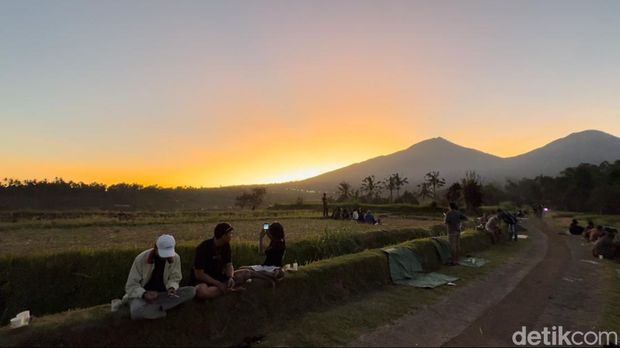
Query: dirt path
[(546, 285)]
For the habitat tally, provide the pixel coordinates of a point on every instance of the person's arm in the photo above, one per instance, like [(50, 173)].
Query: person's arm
[(133, 288), (175, 274), (230, 272), (261, 245)]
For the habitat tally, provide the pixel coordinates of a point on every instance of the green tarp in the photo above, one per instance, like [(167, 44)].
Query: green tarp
[(443, 249), (406, 269)]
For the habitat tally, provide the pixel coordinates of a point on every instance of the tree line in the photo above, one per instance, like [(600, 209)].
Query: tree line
[(584, 188), (59, 194)]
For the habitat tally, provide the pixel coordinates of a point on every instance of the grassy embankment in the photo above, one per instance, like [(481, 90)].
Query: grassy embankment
[(353, 286)]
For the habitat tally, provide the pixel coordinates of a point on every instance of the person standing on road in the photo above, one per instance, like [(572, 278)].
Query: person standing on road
[(453, 221)]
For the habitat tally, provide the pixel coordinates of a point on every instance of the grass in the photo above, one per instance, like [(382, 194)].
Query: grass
[(611, 316), (317, 286), (49, 240), (85, 278), (76, 219), (341, 324), (563, 219)]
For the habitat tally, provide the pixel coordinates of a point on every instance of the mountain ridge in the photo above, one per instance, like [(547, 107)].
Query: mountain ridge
[(452, 160)]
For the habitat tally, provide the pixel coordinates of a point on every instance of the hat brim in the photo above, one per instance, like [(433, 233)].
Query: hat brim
[(168, 252)]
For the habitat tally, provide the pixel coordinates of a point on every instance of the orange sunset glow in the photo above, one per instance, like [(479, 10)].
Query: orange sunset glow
[(286, 91)]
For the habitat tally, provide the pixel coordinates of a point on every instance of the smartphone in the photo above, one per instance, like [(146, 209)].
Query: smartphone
[(265, 226)]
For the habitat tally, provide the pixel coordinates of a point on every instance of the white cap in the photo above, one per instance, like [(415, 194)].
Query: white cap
[(165, 245)]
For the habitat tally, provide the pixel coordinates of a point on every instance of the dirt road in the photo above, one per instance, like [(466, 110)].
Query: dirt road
[(548, 284)]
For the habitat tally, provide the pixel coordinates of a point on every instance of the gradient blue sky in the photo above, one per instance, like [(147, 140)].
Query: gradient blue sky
[(210, 93)]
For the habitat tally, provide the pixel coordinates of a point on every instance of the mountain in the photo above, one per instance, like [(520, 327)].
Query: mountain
[(452, 160), (589, 146)]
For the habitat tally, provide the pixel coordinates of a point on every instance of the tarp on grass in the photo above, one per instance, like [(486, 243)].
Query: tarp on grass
[(473, 262), (406, 269), (443, 249)]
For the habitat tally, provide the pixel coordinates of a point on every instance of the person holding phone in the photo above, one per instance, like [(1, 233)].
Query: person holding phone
[(274, 252)]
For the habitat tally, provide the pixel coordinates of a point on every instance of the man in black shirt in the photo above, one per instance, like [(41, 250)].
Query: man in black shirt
[(213, 272)]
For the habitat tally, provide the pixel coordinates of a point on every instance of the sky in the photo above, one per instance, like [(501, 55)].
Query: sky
[(216, 93)]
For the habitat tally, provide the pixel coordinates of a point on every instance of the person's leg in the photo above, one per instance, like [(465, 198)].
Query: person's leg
[(203, 291), (140, 309), (242, 275), (185, 293), (513, 232), (456, 258), (498, 235), (452, 239)]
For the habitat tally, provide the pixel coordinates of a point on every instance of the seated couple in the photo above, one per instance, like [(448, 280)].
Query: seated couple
[(213, 273), (152, 286)]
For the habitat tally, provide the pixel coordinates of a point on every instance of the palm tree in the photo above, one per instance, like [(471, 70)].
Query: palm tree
[(434, 181), (344, 188), (390, 184), (370, 186), (399, 182), (424, 190)]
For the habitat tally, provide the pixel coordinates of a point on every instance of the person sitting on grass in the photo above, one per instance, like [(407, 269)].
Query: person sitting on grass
[(492, 226), (355, 215), (153, 283), (362, 216), (596, 233), (589, 228), (274, 253), (574, 228), (271, 269), (213, 272), (605, 244), (369, 218)]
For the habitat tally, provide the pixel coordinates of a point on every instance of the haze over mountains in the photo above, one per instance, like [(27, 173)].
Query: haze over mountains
[(452, 160)]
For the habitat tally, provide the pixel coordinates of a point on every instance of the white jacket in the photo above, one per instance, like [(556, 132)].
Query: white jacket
[(141, 272)]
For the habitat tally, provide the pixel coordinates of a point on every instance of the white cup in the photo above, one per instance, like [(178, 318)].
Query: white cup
[(115, 305), (600, 257), (16, 322), (295, 266)]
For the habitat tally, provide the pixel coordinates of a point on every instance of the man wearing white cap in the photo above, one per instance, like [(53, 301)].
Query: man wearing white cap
[(153, 282)]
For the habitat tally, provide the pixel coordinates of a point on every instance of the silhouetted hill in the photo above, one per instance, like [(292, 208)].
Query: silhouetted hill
[(452, 160)]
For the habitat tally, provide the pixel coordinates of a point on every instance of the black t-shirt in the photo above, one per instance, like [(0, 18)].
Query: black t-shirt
[(273, 257), (575, 229), (156, 283), (211, 260)]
